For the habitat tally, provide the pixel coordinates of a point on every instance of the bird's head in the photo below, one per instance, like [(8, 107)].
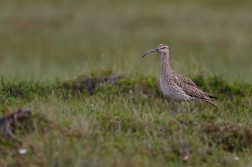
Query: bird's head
[(162, 48)]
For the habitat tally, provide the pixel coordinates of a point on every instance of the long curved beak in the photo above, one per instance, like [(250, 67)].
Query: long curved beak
[(153, 50)]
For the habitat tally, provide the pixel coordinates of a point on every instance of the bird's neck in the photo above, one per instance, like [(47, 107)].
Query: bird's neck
[(165, 64)]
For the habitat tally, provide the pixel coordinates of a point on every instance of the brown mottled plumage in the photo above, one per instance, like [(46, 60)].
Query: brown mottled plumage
[(175, 86)]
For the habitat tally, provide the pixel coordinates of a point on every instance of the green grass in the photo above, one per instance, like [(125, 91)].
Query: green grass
[(108, 126), (45, 46), (62, 39)]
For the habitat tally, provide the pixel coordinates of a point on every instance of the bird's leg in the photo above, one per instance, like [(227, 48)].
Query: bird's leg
[(176, 108), (182, 107)]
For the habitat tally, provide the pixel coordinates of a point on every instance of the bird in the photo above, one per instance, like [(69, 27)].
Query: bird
[(175, 86)]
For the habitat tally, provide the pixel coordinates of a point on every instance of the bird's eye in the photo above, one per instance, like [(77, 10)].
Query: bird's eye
[(163, 48)]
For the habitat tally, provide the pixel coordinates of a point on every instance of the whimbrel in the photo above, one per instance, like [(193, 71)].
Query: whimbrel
[(175, 86)]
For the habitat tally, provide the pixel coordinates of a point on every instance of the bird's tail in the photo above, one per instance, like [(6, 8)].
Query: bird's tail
[(210, 99), (212, 102)]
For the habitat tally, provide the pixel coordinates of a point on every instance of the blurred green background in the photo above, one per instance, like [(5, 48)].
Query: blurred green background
[(50, 39)]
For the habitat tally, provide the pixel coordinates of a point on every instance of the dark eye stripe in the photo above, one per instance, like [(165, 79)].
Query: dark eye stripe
[(163, 47)]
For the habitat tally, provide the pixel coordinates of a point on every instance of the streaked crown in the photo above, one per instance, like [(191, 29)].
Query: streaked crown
[(162, 47)]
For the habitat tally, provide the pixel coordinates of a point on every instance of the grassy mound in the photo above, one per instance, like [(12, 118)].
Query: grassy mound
[(109, 84)]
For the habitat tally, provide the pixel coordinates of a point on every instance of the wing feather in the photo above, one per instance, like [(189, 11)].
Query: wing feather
[(191, 89)]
